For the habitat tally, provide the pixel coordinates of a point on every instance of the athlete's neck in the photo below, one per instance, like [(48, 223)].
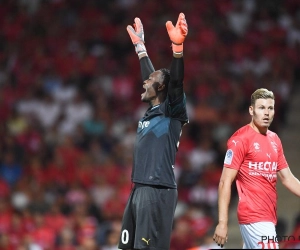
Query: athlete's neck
[(258, 129)]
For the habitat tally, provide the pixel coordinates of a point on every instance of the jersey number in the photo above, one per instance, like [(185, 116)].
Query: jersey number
[(125, 236)]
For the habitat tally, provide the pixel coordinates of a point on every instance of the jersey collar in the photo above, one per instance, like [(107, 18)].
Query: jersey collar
[(156, 106)]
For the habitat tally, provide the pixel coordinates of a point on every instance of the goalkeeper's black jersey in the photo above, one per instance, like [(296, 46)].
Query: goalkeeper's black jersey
[(157, 141)]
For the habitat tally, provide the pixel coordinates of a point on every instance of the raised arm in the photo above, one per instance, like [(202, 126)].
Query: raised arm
[(136, 34), (177, 36)]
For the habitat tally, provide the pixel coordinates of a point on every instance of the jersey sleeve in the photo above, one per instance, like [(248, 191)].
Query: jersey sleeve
[(175, 88), (176, 99), (146, 67), (178, 111), (235, 153)]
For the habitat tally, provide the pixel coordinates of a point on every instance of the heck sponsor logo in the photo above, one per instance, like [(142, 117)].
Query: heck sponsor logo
[(263, 165), (266, 169)]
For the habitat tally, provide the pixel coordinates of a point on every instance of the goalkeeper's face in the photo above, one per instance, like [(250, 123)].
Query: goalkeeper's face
[(153, 85)]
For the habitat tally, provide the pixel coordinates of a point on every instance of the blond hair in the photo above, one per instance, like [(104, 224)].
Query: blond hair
[(261, 93)]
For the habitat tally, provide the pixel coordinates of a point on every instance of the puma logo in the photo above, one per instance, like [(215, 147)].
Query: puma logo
[(147, 241)]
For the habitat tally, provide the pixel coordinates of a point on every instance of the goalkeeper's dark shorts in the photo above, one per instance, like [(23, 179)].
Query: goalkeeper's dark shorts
[(148, 218)]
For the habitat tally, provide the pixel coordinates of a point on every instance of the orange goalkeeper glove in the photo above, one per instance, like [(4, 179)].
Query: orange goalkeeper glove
[(137, 35), (178, 33)]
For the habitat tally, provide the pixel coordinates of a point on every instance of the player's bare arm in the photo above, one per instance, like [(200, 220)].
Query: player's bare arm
[(227, 177), (289, 181)]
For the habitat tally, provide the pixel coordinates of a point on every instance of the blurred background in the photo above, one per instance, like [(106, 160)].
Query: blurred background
[(70, 90)]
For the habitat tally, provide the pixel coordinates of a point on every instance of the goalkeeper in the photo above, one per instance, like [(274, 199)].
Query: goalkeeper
[(148, 216)]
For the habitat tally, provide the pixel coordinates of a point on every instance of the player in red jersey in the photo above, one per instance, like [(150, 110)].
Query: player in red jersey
[(254, 159)]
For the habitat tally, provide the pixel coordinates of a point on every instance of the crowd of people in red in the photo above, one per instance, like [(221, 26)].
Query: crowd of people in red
[(70, 100)]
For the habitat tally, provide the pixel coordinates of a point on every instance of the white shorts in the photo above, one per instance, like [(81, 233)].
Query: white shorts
[(259, 235)]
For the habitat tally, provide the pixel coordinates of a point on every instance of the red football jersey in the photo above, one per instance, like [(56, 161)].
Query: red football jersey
[(257, 158)]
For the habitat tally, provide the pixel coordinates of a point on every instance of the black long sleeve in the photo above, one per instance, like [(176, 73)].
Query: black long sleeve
[(175, 88), (146, 67)]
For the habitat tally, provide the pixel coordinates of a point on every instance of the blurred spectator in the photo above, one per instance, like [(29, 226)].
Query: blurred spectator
[(42, 235), (30, 140), (27, 104), (9, 143), (10, 170), (101, 190), (5, 243), (204, 193), (39, 203), (17, 231), (62, 91), (54, 218), (4, 188), (66, 239), (112, 241), (182, 237), (20, 196), (75, 112), (188, 177), (47, 112), (96, 125), (202, 154), (5, 215), (239, 16), (85, 224), (16, 123)]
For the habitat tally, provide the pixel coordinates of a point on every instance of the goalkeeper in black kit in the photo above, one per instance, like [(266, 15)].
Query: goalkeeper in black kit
[(148, 216)]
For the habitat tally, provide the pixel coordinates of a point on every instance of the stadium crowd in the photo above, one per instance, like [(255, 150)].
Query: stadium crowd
[(70, 89)]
